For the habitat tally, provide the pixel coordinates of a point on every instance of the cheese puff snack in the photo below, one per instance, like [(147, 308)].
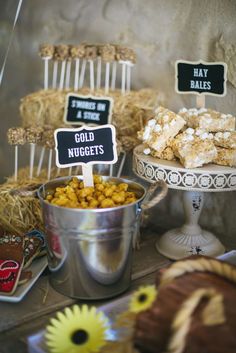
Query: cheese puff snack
[(104, 194)]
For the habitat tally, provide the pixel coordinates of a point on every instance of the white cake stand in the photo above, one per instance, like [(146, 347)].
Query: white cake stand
[(190, 238)]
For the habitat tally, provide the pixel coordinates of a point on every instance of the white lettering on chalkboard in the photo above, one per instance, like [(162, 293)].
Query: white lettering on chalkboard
[(101, 107), (200, 72), (200, 84), (91, 116), (85, 151), (84, 137), (83, 104), (79, 115)]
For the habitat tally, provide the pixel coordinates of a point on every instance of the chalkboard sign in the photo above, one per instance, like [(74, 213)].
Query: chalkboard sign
[(87, 110), (85, 145), (200, 77)]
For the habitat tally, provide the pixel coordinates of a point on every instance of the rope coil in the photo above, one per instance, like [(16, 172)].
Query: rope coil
[(213, 313)]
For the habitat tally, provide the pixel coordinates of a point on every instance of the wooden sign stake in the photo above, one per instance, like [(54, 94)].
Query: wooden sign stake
[(87, 171), (201, 101)]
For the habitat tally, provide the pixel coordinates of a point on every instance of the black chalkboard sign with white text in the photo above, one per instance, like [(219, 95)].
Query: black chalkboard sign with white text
[(85, 145), (207, 78), (87, 110)]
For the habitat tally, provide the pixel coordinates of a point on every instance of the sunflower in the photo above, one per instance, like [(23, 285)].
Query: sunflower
[(77, 330), (142, 299)]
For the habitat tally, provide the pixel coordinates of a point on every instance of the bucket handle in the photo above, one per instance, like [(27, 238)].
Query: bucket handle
[(149, 202)]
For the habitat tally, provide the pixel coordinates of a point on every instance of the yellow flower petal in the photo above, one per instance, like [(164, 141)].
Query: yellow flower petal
[(142, 299), (77, 330)]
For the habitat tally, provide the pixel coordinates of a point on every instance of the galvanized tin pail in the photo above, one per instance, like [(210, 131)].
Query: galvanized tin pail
[(90, 250)]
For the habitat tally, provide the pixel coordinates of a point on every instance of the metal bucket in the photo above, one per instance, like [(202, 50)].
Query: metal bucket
[(90, 250)]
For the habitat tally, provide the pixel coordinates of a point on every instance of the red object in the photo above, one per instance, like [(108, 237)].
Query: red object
[(9, 272)]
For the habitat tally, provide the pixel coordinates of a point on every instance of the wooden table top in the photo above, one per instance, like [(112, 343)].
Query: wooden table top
[(20, 320)]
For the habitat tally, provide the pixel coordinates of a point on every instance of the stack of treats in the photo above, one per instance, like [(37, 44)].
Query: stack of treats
[(193, 136)]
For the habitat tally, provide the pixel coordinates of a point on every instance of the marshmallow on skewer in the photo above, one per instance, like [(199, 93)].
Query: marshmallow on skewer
[(33, 135), (127, 58), (77, 52), (16, 137), (108, 55), (61, 54), (46, 52)]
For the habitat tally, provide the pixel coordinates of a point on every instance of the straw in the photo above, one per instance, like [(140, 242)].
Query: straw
[(76, 83), (99, 70), (70, 171)]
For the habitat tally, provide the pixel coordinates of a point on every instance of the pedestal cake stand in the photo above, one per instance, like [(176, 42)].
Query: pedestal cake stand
[(190, 238)]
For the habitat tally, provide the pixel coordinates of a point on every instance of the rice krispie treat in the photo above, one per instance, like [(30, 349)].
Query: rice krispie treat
[(226, 157), (208, 119), (167, 154), (194, 148), (225, 139), (160, 130)]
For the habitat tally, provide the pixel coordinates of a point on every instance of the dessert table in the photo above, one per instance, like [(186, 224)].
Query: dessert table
[(190, 238)]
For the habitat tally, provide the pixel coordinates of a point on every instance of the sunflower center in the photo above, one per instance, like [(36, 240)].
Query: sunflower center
[(79, 336), (142, 297)]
